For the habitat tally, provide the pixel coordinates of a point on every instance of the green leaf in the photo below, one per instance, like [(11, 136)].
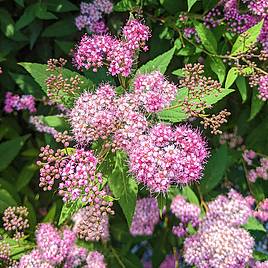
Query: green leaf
[(241, 83), (27, 17), (256, 104), (254, 225), (20, 2), (218, 68), (161, 200), (42, 13), (247, 39), (231, 77), (7, 184), (32, 214), (55, 122), (191, 3), (26, 175), (9, 150), (178, 72), (35, 28), (177, 115), (213, 176), (206, 36), (160, 63), (123, 186), (69, 209), (188, 193), (60, 28), (6, 23), (124, 5), (61, 6), (51, 214), (7, 198), (260, 256), (65, 46)]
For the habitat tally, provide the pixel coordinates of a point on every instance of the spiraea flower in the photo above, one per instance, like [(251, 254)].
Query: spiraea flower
[(95, 260), (262, 212), (153, 91), (16, 103), (186, 213), (167, 156), (15, 221), (263, 88), (93, 51), (146, 216)]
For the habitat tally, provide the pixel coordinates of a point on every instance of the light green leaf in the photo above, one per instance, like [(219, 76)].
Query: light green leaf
[(241, 83), (51, 214), (256, 104), (124, 5), (55, 122), (123, 186), (254, 225), (231, 77), (188, 193), (69, 209), (218, 68), (9, 150), (191, 3), (160, 63), (247, 39), (178, 72), (206, 36), (213, 176)]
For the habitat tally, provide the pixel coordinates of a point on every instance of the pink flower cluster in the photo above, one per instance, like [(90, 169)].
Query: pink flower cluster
[(186, 213), (153, 91), (56, 248), (263, 85), (220, 241), (145, 218), (17, 103), (91, 16), (262, 211), (167, 156), (259, 264), (260, 171), (96, 50), (169, 262), (95, 260), (41, 127)]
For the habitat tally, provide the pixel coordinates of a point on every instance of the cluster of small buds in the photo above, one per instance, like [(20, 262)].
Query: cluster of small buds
[(91, 16), (153, 91), (63, 137), (96, 50), (57, 85), (57, 249), (41, 126), (91, 223), (15, 221), (220, 241), (190, 32), (259, 264), (215, 121), (53, 64), (198, 86), (18, 103), (95, 260), (146, 216), (4, 252), (51, 166), (232, 139), (262, 212), (167, 156), (248, 156), (186, 213), (259, 172)]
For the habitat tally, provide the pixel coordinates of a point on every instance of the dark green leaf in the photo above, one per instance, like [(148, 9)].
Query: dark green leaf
[(65, 46), (60, 28), (242, 87), (124, 5), (256, 104), (123, 187), (218, 68), (6, 23), (9, 150), (20, 2), (213, 176), (25, 175), (61, 6), (27, 17), (42, 13), (7, 198), (51, 214)]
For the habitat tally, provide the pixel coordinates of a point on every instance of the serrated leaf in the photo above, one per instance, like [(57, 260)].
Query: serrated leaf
[(231, 77), (69, 209), (213, 176), (206, 36), (256, 104), (218, 68), (247, 39), (191, 3), (254, 225), (242, 87), (9, 150), (123, 187), (160, 63)]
